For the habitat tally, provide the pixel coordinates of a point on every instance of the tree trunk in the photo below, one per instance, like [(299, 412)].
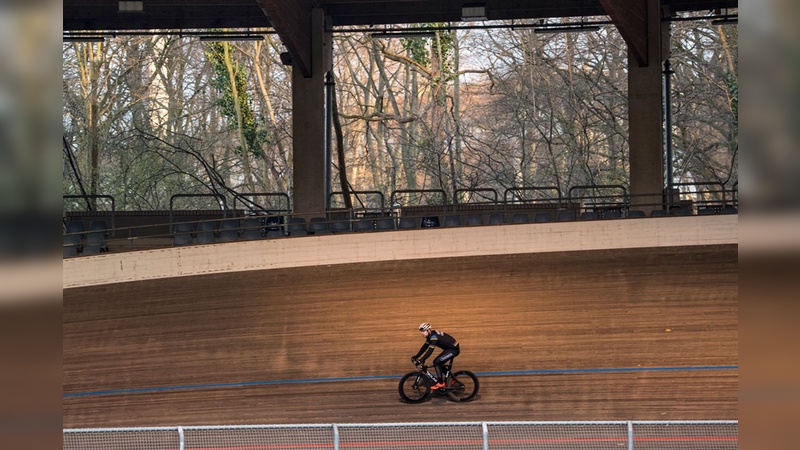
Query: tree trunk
[(270, 170), (337, 127), (248, 177), (457, 168)]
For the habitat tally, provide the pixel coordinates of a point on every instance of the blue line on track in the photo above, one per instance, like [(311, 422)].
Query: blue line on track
[(388, 377)]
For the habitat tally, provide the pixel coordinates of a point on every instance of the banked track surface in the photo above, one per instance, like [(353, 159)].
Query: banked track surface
[(635, 334)]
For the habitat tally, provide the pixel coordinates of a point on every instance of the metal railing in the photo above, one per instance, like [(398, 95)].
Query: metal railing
[(220, 203), (701, 194), (475, 195), (365, 200), (248, 202), (533, 194), (407, 209), (584, 435)]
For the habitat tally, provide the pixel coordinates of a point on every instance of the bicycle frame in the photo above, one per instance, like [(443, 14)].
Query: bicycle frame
[(430, 378), (416, 386)]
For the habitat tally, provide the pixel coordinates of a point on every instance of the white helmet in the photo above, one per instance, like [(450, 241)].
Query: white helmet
[(424, 326)]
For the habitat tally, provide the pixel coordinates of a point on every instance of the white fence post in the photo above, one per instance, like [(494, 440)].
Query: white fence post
[(485, 435), (181, 439), (335, 437), (630, 435)]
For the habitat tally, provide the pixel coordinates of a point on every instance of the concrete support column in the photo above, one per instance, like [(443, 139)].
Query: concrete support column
[(646, 118), (308, 124)]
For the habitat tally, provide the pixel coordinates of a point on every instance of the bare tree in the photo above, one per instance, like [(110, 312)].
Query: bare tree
[(465, 109)]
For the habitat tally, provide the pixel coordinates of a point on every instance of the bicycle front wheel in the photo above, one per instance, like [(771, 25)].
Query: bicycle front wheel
[(413, 389), (463, 386)]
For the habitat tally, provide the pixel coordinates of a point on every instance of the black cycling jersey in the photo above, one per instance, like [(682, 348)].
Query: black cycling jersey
[(436, 339)]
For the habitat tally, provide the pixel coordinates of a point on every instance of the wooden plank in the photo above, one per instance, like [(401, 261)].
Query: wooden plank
[(632, 308)]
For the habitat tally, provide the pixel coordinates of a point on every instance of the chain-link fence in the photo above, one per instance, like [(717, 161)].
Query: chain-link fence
[(599, 435)]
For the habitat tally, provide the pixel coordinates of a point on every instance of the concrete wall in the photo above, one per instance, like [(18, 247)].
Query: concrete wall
[(400, 245)]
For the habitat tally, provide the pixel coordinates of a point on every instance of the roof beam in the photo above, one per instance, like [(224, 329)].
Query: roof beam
[(291, 19), (630, 18), (85, 15)]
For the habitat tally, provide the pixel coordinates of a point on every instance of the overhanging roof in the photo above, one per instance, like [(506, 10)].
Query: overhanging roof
[(291, 19), (86, 15)]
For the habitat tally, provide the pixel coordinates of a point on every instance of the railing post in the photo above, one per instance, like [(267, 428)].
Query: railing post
[(335, 437), (485, 435), (630, 435), (181, 439)]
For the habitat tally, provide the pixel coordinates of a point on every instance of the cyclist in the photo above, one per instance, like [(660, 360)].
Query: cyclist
[(433, 339)]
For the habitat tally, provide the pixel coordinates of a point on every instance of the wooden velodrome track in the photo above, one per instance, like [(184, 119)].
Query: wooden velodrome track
[(647, 333)]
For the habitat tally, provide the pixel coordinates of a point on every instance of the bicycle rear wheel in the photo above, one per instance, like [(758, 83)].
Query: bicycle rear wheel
[(413, 389), (463, 386)]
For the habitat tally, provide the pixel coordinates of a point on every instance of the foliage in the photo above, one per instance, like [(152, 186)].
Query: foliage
[(235, 93), (418, 50), (733, 92), (424, 50)]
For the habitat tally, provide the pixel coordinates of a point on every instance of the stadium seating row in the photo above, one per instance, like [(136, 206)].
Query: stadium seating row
[(273, 227), (80, 240)]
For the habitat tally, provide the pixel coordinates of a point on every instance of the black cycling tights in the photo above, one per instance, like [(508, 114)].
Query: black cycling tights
[(442, 359)]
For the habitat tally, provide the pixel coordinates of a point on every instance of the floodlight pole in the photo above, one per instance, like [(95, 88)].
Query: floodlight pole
[(329, 92)]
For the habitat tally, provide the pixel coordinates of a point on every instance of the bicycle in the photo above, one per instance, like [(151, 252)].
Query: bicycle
[(460, 386)]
